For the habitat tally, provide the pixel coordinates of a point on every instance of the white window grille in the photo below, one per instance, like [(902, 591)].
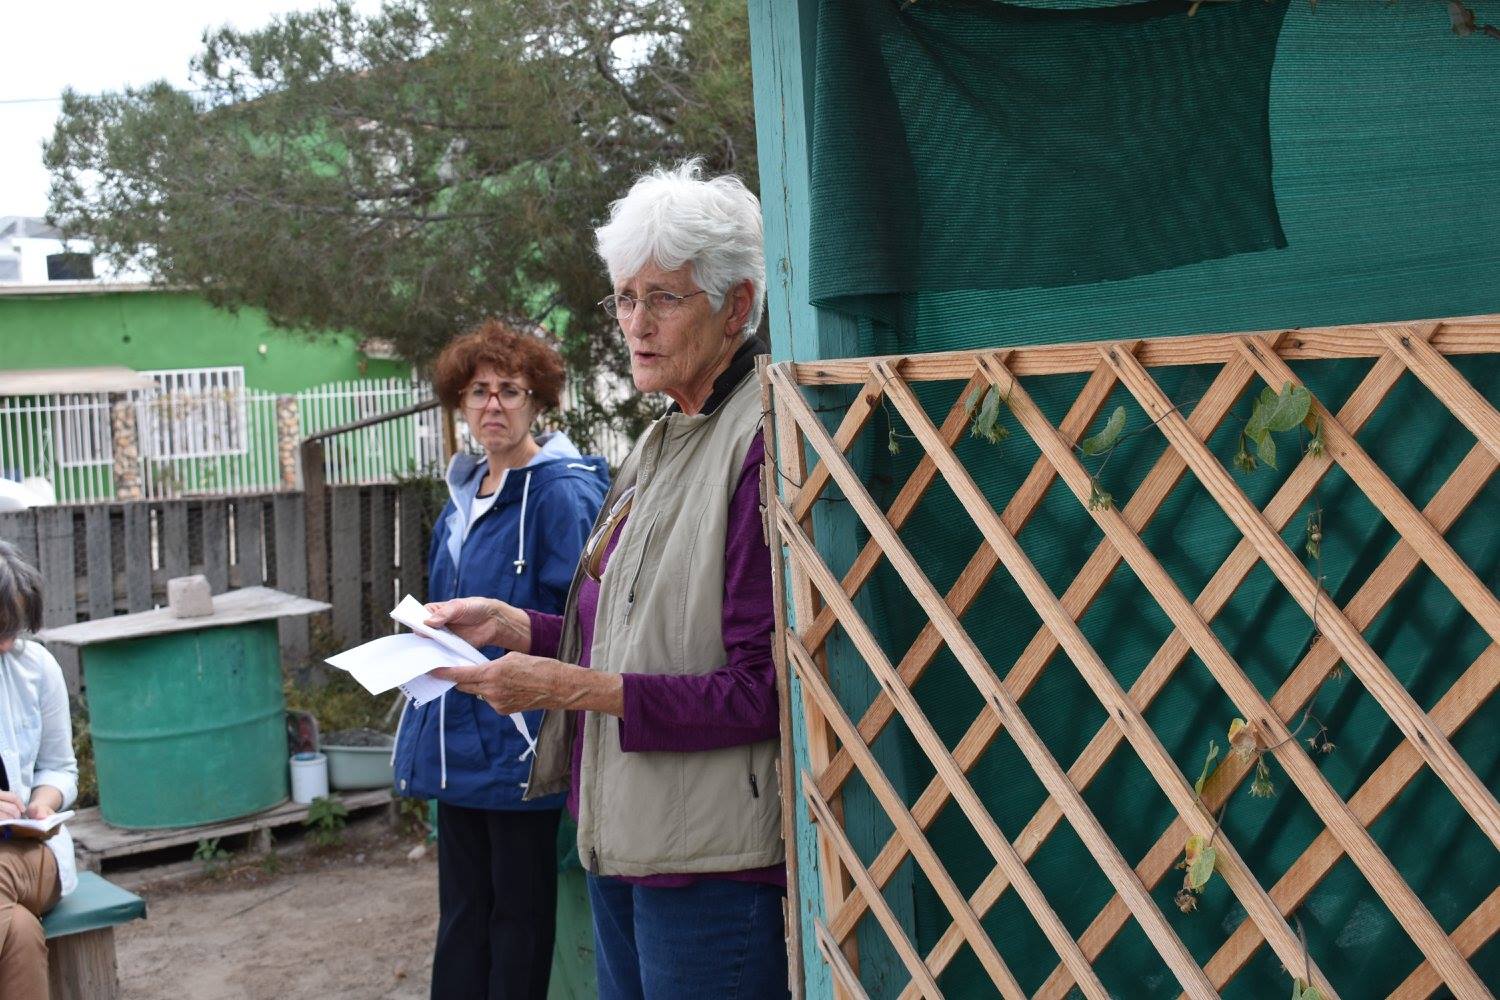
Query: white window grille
[(81, 430), (193, 413)]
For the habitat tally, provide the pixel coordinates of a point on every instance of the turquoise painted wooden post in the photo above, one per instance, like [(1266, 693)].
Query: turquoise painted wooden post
[(782, 36)]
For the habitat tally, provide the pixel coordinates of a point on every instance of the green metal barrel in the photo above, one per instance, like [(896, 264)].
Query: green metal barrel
[(189, 726)]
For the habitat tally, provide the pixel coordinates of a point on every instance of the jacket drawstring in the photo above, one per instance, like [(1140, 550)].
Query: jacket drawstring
[(396, 742), (520, 563), (443, 741)]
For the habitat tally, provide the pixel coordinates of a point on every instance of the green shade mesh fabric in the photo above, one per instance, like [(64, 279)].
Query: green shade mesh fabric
[(1383, 171), (979, 145)]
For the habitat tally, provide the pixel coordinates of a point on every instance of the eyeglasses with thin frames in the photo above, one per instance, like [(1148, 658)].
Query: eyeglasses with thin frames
[(658, 303)]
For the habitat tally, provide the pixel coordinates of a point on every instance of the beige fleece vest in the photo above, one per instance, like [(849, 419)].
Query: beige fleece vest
[(661, 612)]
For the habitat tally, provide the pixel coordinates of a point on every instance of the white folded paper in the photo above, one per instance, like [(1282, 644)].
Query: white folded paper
[(404, 661)]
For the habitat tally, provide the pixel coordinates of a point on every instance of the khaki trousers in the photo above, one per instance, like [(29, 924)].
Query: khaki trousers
[(28, 889)]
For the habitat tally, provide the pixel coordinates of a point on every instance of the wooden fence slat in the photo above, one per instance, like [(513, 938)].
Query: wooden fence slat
[(823, 816), (249, 540), (1437, 373), (836, 881), (786, 765), (174, 538), (412, 554), (1090, 665), (815, 685), (1466, 335), (216, 544), (932, 745), (1301, 684), (901, 508), (137, 568), (1471, 935), (1398, 703), (1456, 575), (346, 537), (382, 558), (1106, 854), (290, 520), (970, 583), (860, 410), (844, 976), (55, 561), (1079, 596), (1455, 708), (1271, 730), (99, 561)]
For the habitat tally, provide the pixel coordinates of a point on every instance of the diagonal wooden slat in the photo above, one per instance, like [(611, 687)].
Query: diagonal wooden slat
[(1098, 676), (1438, 374), (1455, 708), (1142, 505), (1471, 935), (1152, 921), (1080, 594), (863, 407), (835, 881), (970, 583), (843, 974), (823, 816), (1398, 703), (1363, 851), (1439, 556), (902, 508), (1304, 680), (817, 687), (932, 745)]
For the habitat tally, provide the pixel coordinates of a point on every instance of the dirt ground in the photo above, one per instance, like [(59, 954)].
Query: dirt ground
[(356, 921)]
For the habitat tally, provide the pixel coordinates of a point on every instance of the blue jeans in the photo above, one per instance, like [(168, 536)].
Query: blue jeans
[(712, 939)]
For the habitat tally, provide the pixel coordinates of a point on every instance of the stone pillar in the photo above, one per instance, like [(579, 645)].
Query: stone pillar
[(126, 446), (288, 437)]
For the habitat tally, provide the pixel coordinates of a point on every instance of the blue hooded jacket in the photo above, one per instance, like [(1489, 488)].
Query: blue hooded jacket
[(522, 551)]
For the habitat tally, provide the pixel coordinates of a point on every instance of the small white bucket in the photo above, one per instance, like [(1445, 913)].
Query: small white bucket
[(309, 777)]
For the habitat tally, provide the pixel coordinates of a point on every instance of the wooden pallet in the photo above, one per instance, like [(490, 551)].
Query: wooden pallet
[(96, 841)]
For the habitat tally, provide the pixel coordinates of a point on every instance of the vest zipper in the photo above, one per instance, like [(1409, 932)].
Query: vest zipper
[(754, 788), (593, 861), (639, 567)]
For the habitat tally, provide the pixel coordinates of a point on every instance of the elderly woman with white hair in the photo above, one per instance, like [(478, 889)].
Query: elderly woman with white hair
[(657, 680)]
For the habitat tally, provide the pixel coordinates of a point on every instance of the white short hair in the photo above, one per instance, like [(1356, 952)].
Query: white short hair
[(671, 217)]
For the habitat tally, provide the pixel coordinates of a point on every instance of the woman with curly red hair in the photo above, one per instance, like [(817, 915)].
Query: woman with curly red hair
[(515, 522)]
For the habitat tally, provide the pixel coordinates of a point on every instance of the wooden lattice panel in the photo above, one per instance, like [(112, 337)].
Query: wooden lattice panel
[(839, 745)]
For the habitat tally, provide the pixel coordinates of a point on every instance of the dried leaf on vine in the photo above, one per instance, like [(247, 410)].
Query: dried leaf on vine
[(1242, 740), (1099, 499), (1261, 787)]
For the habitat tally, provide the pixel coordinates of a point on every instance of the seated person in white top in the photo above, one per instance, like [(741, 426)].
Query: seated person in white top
[(39, 777)]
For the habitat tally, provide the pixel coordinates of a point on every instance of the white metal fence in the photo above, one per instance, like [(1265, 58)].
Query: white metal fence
[(209, 435)]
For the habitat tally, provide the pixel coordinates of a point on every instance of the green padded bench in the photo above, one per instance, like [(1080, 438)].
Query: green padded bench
[(81, 938)]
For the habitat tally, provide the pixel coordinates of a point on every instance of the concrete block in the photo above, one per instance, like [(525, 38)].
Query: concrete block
[(190, 596)]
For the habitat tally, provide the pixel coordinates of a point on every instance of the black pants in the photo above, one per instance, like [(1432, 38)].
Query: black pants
[(497, 903)]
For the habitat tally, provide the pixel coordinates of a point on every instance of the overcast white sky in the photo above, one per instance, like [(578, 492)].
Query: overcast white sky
[(95, 46)]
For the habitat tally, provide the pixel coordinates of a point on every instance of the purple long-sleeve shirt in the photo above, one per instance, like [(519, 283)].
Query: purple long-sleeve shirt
[(731, 706)]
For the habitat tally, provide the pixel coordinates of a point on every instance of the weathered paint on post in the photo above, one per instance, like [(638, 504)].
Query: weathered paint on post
[(782, 34)]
